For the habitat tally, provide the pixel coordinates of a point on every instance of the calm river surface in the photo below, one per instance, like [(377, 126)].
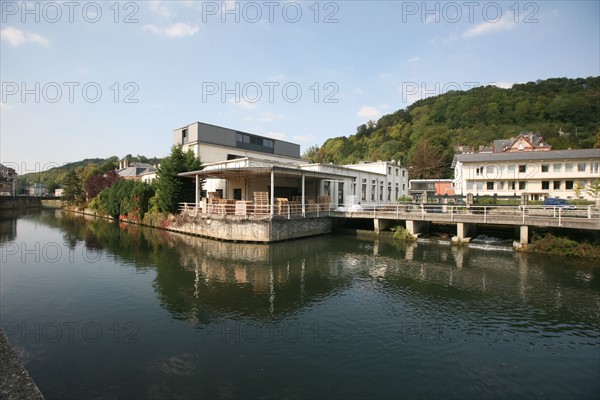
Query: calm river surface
[(102, 310)]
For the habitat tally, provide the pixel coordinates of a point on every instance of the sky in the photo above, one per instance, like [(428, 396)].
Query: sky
[(97, 79)]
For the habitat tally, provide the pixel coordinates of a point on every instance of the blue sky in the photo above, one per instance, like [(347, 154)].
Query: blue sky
[(95, 79)]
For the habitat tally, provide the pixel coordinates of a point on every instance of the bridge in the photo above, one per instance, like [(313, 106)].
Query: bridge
[(418, 217)]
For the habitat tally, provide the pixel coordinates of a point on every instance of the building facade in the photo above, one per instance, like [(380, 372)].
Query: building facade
[(8, 181), (565, 174), (214, 144)]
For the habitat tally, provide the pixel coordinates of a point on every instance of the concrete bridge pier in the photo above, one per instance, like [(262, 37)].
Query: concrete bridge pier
[(523, 234), (416, 228), (464, 232), (381, 225)]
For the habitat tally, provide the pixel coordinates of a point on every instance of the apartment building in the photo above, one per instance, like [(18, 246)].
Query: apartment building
[(539, 174)]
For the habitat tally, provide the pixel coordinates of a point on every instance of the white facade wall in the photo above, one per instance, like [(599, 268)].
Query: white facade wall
[(540, 179), (373, 183)]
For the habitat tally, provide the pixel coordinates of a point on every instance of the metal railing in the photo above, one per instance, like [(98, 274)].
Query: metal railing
[(553, 216), (249, 210), (484, 214)]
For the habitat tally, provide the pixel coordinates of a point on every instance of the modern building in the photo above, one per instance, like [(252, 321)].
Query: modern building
[(8, 181), (214, 144), (219, 148), (244, 177), (539, 174)]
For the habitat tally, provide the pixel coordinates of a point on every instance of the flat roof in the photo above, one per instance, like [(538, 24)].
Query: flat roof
[(237, 130), (254, 167)]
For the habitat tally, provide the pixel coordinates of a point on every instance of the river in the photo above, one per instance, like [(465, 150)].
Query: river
[(105, 310)]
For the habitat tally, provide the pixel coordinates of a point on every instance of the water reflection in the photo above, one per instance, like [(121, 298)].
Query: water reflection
[(197, 277), (339, 316)]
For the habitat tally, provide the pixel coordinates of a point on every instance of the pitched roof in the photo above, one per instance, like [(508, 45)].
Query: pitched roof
[(528, 156)]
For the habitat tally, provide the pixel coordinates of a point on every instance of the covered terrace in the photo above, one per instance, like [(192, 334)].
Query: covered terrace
[(258, 187)]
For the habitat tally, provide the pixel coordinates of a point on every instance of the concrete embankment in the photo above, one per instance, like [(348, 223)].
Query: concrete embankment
[(262, 230), (15, 382), (10, 202)]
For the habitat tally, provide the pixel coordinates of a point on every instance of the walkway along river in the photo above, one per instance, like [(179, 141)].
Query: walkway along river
[(101, 309)]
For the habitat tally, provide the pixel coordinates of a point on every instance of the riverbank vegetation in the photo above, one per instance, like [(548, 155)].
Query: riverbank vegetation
[(559, 245)]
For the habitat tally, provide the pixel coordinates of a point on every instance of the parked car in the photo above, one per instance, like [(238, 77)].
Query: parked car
[(562, 203)]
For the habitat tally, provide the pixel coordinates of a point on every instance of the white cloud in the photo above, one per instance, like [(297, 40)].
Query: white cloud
[(161, 9), (411, 60), (177, 30), (275, 135), (489, 27), (310, 138), (243, 103), (276, 78), (371, 112), (269, 117), (16, 37)]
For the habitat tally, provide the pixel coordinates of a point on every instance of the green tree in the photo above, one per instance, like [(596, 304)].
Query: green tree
[(426, 162), (170, 188), (72, 186), (594, 190), (312, 154)]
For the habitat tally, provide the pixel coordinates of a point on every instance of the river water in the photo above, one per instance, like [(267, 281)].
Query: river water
[(101, 310)]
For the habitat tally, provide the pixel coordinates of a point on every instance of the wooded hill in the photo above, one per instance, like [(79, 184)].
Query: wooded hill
[(54, 177), (475, 118)]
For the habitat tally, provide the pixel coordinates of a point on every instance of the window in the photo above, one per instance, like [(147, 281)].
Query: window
[(381, 192), (522, 168), (500, 186), (556, 185), (511, 168), (513, 185), (479, 186), (545, 167), (389, 193), (251, 142), (389, 170), (403, 173), (557, 167), (490, 169), (184, 136), (545, 185), (396, 171), (479, 171), (237, 194), (404, 186), (469, 186), (569, 185), (373, 190), (594, 168), (490, 185), (233, 156), (581, 167), (522, 185), (568, 167), (364, 191)]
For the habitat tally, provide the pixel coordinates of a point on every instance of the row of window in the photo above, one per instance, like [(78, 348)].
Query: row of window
[(523, 168), (522, 185), (255, 140), (397, 171)]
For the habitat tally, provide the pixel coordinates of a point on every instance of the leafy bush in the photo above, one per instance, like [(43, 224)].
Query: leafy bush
[(563, 246), (402, 234), (126, 198)]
